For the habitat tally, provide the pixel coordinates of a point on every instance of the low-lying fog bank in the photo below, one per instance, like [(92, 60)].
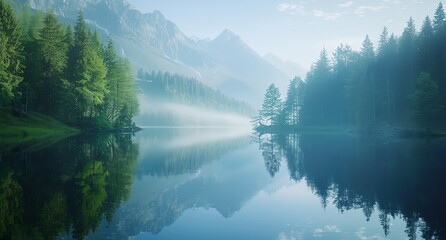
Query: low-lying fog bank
[(156, 113)]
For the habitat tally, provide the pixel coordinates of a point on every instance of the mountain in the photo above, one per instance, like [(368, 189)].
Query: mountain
[(254, 72), (154, 43), (290, 68)]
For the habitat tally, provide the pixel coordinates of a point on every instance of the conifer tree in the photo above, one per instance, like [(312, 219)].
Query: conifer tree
[(11, 67), (87, 73), (272, 106), (426, 102), (53, 51)]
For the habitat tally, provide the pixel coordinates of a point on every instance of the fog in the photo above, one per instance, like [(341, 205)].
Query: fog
[(186, 115)]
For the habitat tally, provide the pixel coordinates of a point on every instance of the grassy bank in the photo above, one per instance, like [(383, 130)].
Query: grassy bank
[(31, 127)]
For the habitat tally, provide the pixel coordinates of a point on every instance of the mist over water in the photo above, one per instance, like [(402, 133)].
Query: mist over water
[(186, 115)]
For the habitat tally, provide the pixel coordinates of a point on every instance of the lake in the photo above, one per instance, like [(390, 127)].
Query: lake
[(223, 183)]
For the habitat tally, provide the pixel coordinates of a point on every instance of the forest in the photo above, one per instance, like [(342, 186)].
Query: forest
[(400, 82), (186, 90), (68, 74), (69, 188)]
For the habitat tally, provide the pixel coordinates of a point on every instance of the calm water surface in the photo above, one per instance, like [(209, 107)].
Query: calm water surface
[(223, 184)]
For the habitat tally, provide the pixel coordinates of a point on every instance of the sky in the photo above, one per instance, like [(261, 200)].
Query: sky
[(291, 29)]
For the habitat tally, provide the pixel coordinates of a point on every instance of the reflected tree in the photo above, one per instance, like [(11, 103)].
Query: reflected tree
[(366, 174), (11, 208), (271, 153), (69, 187)]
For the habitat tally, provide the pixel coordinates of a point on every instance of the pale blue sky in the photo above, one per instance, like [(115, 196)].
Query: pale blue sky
[(294, 30)]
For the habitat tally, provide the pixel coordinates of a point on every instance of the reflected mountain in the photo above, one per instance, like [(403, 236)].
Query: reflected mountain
[(175, 151), (182, 169), (65, 189), (404, 178)]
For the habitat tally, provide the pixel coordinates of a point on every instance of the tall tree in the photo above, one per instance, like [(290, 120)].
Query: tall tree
[(272, 106), (53, 51), (407, 70), (426, 102), (317, 92), (290, 111), (11, 67), (439, 19), (425, 52), (88, 71), (366, 106)]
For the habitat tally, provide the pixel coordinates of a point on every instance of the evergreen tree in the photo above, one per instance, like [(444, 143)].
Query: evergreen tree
[(31, 84), (407, 70), (290, 112), (272, 106), (425, 46), (426, 105), (439, 19), (11, 67), (121, 84), (315, 110), (87, 73), (53, 51)]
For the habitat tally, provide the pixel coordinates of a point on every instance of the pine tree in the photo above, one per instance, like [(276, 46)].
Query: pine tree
[(53, 51), (426, 105), (271, 107), (439, 19), (87, 75), (11, 67), (425, 46), (290, 111)]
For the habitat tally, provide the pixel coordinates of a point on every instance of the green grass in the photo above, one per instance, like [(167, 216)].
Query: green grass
[(32, 127)]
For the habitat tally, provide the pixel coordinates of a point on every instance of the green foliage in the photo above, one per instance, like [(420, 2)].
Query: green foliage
[(181, 89), (10, 54), (271, 107), (68, 76), (121, 103), (290, 112), (368, 88), (11, 208), (68, 187), (426, 101), (53, 54)]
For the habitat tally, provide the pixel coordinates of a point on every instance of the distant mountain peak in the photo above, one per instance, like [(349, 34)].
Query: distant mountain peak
[(227, 35)]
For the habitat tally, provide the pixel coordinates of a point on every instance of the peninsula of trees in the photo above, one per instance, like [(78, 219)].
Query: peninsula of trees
[(67, 74), (401, 82)]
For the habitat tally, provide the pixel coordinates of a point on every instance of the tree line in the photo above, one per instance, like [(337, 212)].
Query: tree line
[(401, 82), (65, 73), (180, 89), (68, 189), (367, 174)]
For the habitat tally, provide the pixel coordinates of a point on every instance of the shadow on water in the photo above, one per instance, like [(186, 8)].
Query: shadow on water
[(66, 188), (405, 179)]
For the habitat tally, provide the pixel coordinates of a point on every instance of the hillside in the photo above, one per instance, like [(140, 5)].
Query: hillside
[(154, 43)]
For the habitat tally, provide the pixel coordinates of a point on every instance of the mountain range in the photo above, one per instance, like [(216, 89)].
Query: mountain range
[(153, 43)]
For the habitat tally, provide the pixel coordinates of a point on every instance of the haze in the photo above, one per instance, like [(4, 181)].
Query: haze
[(292, 30)]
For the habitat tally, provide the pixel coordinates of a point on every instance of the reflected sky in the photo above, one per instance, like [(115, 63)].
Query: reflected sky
[(234, 197)]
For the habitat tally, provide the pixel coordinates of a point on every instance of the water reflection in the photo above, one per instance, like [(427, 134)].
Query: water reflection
[(404, 178), (180, 169), (177, 151), (64, 189), (212, 184)]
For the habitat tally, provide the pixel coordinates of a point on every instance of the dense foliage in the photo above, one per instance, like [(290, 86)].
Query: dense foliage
[(69, 75), (376, 85), (367, 174), (181, 89), (66, 189)]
